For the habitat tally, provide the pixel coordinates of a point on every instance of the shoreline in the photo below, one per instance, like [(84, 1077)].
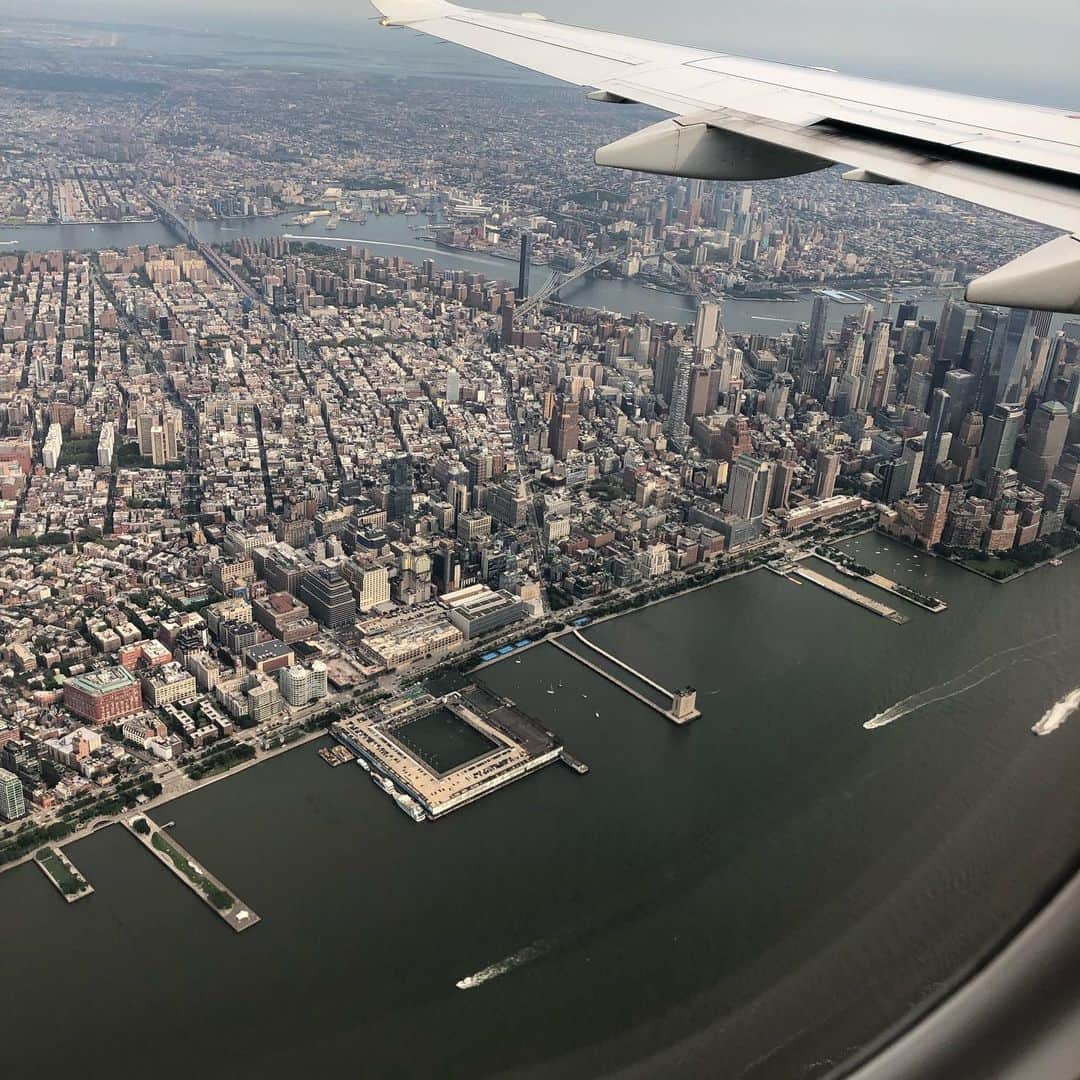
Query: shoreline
[(166, 797), (1014, 576)]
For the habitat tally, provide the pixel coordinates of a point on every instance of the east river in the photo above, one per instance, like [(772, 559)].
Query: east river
[(754, 895), (397, 235)]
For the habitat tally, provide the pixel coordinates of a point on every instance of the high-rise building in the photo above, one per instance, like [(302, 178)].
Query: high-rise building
[(895, 479), (1046, 441), (678, 432), (399, 496), (939, 424), (960, 386), (956, 319), (509, 503), (328, 597), (524, 259), (999, 439), (12, 805), (507, 335), (564, 430), (783, 477), (815, 338), (707, 325), (1016, 358), (749, 487), (913, 454), (826, 470)]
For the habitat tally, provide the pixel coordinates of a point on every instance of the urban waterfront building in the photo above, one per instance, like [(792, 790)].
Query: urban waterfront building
[(302, 685), (12, 805), (104, 695)]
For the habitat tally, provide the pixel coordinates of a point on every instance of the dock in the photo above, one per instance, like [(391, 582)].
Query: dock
[(515, 747), (572, 762), (927, 603), (683, 706), (850, 594), (61, 871), (197, 878)]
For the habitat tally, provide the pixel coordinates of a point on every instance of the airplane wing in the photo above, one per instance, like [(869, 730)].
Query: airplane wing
[(741, 119)]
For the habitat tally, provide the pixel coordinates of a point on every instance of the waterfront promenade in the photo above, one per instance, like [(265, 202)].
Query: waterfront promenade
[(927, 603), (850, 594), (206, 886)]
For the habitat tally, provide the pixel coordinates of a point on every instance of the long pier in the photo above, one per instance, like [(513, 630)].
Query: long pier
[(929, 603), (850, 594), (682, 708), (197, 878)]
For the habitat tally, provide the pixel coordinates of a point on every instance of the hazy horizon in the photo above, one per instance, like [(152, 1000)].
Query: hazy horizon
[(989, 48)]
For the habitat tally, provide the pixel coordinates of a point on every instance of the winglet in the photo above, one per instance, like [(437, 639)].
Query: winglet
[(406, 12)]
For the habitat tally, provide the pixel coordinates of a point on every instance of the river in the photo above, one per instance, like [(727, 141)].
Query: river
[(395, 235), (753, 895)]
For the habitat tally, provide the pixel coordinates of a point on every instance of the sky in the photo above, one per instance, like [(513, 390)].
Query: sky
[(1024, 51)]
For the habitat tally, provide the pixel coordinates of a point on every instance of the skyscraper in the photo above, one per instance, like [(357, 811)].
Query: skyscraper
[(956, 319), (678, 432), (913, 454), (826, 471), (815, 338), (564, 430), (524, 259), (999, 439), (1046, 441), (749, 487), (399, 497), (1016, 358), (707, 325)]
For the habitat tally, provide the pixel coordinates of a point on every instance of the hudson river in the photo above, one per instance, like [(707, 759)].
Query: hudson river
[(756, 894)]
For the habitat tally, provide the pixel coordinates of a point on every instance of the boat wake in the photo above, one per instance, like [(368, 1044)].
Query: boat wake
[(1058, 713), (503, 967), (961, 684)]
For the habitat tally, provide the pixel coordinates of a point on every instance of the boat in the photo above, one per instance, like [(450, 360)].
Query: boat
[(410, 806), (363, 764)]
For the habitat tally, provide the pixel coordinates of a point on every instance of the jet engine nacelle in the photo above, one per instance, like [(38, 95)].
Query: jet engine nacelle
[(692, 148)]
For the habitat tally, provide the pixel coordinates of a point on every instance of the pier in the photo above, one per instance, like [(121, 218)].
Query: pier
[(572, 762), (851, 595), (683, 703), (927, 603), (200, 881), (512, 746), (61, 871)]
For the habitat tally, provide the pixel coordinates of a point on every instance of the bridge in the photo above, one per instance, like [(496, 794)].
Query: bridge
[(557, 280), (683, 273), (186, 233)]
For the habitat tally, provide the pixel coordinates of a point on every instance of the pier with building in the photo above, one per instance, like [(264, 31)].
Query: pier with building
[(683, 703), (432, 755)]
